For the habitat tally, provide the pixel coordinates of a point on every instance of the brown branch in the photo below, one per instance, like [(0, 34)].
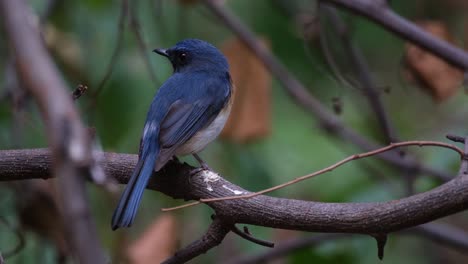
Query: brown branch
[(379, 12), (67, 137), (327, 169), (304, 99), (362, 218), (213, 237)]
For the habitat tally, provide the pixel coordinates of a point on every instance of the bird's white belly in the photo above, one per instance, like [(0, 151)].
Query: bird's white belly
[(203, 137)]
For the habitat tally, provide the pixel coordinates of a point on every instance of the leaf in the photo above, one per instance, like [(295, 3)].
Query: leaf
[(250, 115), (157, 243), (435, 75)]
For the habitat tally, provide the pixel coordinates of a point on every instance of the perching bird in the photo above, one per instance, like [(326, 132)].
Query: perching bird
[(188, 112)]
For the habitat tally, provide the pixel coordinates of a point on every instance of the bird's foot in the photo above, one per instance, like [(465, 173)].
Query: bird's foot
[(200, 169), (203, 166)]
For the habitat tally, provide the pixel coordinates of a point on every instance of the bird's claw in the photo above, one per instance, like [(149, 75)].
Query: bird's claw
[(203, 167)]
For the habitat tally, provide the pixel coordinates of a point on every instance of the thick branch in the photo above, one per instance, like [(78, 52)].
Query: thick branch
[(67, 136), (363, 218)]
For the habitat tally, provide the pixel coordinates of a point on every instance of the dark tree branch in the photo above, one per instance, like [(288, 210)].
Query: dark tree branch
[(213, 237), (70, 144), (361, 218), (300, 94), (379, 12)]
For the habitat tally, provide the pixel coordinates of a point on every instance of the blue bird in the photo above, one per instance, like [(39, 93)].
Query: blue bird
[(188, 112)]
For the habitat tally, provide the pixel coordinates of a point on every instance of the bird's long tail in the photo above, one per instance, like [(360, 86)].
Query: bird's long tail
[(131, 197)]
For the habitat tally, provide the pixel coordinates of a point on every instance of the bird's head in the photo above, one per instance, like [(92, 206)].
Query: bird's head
[(195, 55)]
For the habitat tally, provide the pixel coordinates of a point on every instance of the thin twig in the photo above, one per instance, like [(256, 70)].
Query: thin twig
[(327, 169), (329, 58), (249, 237), (142, 47), (366, 80), (116, 52)]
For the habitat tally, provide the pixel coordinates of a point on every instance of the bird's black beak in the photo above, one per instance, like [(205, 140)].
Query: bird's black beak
[(162, 52)]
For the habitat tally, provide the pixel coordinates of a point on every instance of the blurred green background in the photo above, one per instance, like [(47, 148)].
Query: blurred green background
[(86, 34)]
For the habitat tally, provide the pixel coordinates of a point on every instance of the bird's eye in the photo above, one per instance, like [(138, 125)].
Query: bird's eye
[(182, 57)]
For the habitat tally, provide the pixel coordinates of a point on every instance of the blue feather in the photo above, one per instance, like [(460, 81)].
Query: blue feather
[(131, 197)]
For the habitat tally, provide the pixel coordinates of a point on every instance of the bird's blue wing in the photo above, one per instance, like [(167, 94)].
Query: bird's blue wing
[(200, 103), (187, 120)]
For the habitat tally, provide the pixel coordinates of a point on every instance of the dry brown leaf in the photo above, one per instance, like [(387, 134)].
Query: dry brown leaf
[(157, 243), (250, 116), (441, 79)]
